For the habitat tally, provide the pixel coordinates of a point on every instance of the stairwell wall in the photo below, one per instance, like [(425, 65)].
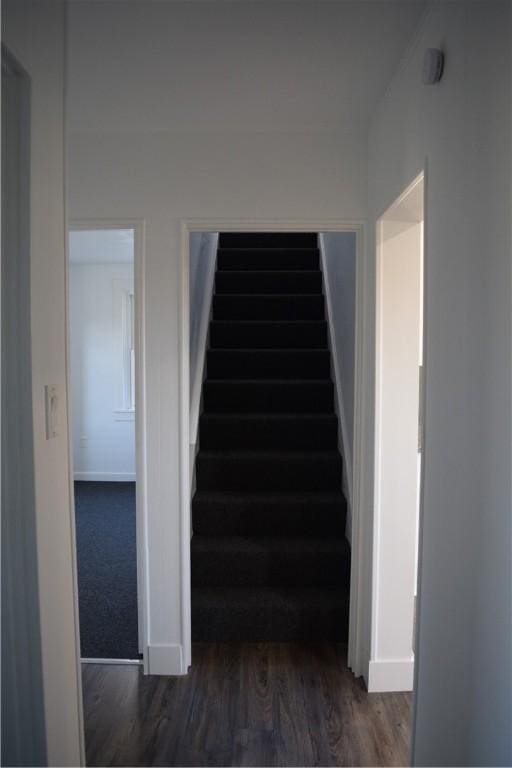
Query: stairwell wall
[(166, 178), (338, 253), (462, 127), (202, 261)]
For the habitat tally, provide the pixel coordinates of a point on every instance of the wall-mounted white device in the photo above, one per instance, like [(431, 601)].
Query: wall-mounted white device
[(433, 65), (51, 404)]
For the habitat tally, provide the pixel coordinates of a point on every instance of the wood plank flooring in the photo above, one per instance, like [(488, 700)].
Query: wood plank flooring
[(251, 704)]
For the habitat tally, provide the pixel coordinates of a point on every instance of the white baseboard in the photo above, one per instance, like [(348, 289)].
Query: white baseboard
[(129, 662), (391, 675), (106, 477), (166, 660)]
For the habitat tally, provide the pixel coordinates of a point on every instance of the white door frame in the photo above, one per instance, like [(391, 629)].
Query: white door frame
[(24, 738), (408, 210), (188, 226), (138, 226)]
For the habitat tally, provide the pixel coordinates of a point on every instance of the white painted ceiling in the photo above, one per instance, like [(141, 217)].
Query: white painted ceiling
[(101, 246), (264, 65)]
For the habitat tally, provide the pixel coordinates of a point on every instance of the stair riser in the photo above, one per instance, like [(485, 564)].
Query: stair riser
[(268, 335), (291, 308), (251, 519), (267, 434), (219, 569), (214, 620), (268, 282), (236, 259), (268, 240), (239, 473), (256, 364), (268, 397)]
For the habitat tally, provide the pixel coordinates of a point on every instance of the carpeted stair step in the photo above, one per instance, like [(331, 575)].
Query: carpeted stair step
[(268, 364), (293, 432), (268, 240), (269, 561), (272, 282), (273, 471), (217, 513), (271, 334), (267, 258), (271, 396), (278, 614), (268, 307)]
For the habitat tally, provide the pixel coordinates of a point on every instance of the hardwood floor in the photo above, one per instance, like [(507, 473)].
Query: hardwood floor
[(261, 704)]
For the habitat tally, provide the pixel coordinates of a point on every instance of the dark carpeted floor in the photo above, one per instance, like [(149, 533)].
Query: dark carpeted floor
[(107, 569)]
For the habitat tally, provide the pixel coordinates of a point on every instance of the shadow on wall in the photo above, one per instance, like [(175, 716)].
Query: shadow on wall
[(338, 253)]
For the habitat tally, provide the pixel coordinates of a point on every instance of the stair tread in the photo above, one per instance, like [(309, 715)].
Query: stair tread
[(271, 416), (251, 596), (295, 295), (271, 454), (266, 249), (279, 351), (257, 321), (257, 544), (287, 382), (273, 272), (265, 496)]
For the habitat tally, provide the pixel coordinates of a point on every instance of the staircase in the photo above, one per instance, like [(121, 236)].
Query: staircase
[(270, 561)]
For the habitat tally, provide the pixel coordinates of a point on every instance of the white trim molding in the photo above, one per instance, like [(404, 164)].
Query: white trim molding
[(391, 675), (128, 662), (106, 477), (124, 414), (362, 510), (166, 660)]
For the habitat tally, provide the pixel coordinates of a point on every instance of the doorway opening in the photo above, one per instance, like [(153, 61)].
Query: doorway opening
[(398, 439), (271, 501), (103, 352)]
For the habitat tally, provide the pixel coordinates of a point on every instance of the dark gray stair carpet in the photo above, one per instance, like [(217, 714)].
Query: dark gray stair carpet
[(276, 614), (233, 334), (270, 561), (283, 431), (268, 306), (236, 259), (268, 396)]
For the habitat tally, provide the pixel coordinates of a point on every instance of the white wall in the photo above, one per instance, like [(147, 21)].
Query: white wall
[(103, 427), (201, 173), (34, 32), (399, 266), (462, 127), (338, 251), (258, 67), (162, 179)]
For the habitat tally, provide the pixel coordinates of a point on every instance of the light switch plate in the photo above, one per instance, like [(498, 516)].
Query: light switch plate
[(51, 401)]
